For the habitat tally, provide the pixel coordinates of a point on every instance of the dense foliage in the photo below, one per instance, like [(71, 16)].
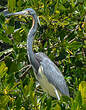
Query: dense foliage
[(62, 36)]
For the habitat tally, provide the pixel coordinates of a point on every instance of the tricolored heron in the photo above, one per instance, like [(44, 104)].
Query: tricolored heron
[(46, 72)]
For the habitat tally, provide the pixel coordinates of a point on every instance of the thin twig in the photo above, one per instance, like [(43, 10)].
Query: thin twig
[(75, 29), (24, 68), (6, 56), (25, 73), (72, 40)]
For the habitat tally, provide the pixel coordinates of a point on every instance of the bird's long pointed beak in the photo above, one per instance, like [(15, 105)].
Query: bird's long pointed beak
[(24, 13), (17, 13)]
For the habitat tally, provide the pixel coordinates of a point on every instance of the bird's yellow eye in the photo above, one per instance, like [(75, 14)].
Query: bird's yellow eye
[(27, 12)]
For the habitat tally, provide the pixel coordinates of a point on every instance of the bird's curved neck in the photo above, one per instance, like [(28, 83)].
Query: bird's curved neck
[(30, 39)]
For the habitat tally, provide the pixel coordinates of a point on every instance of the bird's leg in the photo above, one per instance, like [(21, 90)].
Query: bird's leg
[(57, 94)]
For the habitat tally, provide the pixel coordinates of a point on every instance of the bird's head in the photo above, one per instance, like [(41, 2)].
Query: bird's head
[(30, 11), (26, 12)]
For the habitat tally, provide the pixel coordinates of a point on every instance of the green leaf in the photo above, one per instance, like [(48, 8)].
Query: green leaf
[(28, 88), (77, 102), (3, 69), (3, 101), (82, 88), (61, 7), (13, 67), (57, 107), (75, 45), (11, 5), (22, 108), (10, 30)]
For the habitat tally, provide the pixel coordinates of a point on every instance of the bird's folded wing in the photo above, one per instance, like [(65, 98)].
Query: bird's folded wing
[(54, 76)]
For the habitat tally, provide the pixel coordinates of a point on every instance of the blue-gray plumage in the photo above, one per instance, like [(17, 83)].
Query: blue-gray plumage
[(46, 72)]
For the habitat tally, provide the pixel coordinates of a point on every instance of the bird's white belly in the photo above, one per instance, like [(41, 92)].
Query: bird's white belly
[(47, 87)]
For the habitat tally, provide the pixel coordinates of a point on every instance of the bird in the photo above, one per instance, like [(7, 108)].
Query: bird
[(46, 72)]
